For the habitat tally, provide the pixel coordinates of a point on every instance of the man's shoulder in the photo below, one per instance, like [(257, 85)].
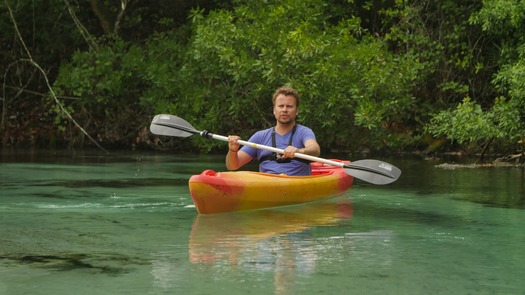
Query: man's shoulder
[(261, 135), (304, 129), (301, 126), (264, 131)]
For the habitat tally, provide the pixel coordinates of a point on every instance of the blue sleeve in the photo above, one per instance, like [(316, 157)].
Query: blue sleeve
[(262, 137), (250, 150), (303, 134)]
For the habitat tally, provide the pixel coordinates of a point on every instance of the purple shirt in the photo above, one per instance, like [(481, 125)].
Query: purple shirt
[(264, 137)]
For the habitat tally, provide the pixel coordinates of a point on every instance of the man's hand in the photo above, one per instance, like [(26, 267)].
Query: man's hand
[(232, 143)]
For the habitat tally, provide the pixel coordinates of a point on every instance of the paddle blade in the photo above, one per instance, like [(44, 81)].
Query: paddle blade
[(169, 125), (373, 171)]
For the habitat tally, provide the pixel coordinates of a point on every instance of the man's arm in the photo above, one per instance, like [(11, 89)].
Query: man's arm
[(311, 147), (235, 158)]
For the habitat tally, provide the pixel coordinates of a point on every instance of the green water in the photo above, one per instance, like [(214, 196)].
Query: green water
[(124, 223)]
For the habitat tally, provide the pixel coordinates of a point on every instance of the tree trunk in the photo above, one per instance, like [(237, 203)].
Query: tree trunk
[(104, 15)]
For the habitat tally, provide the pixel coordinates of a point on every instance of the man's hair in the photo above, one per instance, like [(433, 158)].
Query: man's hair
[(286, 91)]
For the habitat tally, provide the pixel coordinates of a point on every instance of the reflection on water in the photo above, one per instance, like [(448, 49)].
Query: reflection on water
[(218, 238), (285, 243), (91, 223)]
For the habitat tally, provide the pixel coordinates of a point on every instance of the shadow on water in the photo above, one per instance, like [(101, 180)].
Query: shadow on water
[(121, 183), (403, 213), (78, 262), (502, 187), (89, 156)]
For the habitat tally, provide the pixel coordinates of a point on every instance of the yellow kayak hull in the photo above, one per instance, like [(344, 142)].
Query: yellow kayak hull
[(219, 192)]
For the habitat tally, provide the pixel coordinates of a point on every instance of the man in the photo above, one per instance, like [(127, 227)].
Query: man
[(287, 135)]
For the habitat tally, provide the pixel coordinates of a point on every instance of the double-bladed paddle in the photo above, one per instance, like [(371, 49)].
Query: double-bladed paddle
[(373, 171)]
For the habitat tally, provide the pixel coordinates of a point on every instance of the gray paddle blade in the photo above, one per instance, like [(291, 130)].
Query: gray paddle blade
[(169, 125), (379, 166), (373, 171), (372, 178)]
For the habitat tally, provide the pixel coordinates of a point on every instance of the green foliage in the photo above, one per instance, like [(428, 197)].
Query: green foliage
[(223, 78), (505, 21), (96, 77), (236, 59), (508, 118), (510, 79), (498, 16), (371, 73), (468, 123), (106, 83), (439, 35)]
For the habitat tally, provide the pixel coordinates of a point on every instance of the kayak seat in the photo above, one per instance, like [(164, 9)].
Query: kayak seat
[(319, 168)]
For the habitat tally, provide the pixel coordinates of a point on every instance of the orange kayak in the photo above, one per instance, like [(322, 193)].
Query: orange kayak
[(219, 192)]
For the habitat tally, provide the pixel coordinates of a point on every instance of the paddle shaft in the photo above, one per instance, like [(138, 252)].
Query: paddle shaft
[(369, 170), (308, 157), (206, 134)]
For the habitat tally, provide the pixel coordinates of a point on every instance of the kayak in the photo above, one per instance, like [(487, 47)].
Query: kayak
[(220, 192)]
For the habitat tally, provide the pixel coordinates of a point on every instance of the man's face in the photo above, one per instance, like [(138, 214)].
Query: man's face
[(285, 109)]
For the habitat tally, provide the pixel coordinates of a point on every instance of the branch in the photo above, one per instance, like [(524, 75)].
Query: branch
[(22, 90), (83, 31), (123, 5), (62, 108), (31, 61)]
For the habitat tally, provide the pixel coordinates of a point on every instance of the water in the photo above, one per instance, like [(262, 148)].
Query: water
[(124, 223)]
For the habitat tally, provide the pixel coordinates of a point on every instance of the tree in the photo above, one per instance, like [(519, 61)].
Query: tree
[(235, 60), (52, 34), (504, 118)]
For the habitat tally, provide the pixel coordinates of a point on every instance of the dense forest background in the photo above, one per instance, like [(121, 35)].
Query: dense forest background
[(374, 75)]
